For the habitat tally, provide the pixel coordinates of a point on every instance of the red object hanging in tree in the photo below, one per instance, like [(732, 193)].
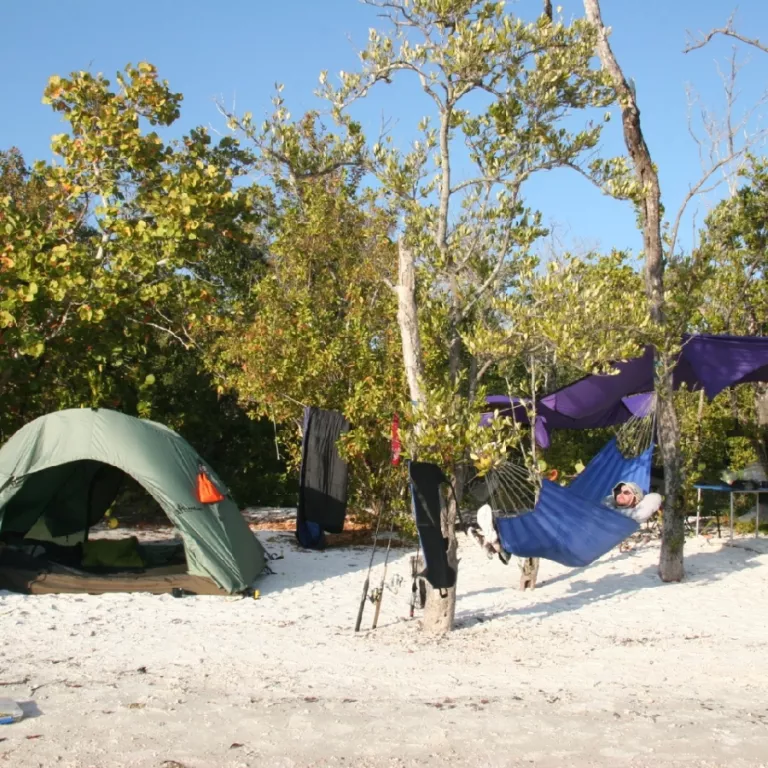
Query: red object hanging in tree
[(395, 440)]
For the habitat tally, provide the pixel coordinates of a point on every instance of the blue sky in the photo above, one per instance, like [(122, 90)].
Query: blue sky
[(236, 51)]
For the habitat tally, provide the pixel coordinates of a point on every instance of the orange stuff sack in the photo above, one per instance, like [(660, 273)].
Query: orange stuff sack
[(207, 492)]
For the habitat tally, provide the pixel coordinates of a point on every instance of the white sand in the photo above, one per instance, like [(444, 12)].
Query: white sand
[(603, 666)]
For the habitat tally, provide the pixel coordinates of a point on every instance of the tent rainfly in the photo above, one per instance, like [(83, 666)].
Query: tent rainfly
[(65, 470)]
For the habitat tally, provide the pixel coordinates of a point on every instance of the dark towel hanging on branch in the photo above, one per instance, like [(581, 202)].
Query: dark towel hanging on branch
[(426, 480), (322, 478)]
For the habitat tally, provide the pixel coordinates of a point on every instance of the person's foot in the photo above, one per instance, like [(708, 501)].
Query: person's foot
[(480, 539), (488, 528), (485, 523)]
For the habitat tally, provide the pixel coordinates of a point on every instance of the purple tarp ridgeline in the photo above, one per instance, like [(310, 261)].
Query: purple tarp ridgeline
[(548, 420), (709, 362)]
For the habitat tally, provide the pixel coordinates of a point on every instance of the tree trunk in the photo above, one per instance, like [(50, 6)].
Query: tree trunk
[(440, 607), (673, 522), (761, 404), (529, 572), (408, 320), (671, 560)]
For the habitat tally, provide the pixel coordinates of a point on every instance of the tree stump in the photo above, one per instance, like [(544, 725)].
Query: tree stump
[(419, 584), (440, 605), (529, 572)]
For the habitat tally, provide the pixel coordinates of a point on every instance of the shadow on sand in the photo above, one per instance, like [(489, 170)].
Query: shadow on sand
[(701, 567)]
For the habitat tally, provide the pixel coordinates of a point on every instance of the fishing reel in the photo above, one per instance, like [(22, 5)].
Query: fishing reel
[(393, 586)]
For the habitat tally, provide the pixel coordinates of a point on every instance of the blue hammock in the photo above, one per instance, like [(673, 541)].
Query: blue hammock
[(570, 525)]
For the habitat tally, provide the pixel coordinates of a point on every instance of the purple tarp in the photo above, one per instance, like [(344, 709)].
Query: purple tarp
[(709, 362), (548, 420), (723, 361), (600, 400)]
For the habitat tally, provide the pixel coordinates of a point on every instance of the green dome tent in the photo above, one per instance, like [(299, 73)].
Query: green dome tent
[(65, 470)]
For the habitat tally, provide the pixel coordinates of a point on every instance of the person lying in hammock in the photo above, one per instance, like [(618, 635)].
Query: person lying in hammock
[(627, 498)]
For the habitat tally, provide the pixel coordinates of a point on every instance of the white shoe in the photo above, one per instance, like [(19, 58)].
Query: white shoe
[(485, 523)]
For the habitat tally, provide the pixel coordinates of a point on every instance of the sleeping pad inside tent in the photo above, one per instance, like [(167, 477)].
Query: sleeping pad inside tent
[(60, 474)]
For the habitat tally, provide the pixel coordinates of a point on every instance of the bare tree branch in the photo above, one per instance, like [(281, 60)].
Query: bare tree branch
[(185, 343), (727, 31), (695, 190)]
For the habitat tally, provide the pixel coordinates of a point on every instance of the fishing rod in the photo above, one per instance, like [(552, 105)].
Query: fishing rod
[(379, 596), (395, 448), (367, 582)]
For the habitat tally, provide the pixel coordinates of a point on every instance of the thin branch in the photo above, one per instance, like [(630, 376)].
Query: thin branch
[(389, 284), (727, 31), (484, 368), (395, 7), (492, 277), (695, 190), (476, 182), (479, 232), (325, 170), (168, 331), (384, 74)]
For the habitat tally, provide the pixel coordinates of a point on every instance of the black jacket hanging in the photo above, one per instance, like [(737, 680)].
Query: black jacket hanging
[(322, 479)]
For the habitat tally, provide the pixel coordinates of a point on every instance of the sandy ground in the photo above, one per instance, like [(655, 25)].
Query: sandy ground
[(602, 666)]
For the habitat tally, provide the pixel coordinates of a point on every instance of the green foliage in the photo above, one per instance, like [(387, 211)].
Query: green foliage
[(104, 247), (734, 248), (586, 311), (496, 89), (115, 263), (183, 395), (320, 327), (747, 527)]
